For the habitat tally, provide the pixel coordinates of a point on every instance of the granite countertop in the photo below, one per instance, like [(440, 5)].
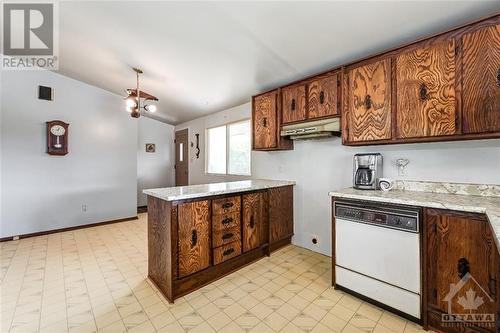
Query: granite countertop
[(207, 190), (461, 197)]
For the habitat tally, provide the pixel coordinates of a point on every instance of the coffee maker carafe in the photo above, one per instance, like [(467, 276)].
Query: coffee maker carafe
[(367, 169)]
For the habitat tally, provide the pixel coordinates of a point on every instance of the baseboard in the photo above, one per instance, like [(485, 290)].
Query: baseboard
[(142, 209), (53, 231)]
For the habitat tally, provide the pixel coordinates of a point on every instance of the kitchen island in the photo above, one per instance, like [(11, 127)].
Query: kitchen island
[(200, 233)]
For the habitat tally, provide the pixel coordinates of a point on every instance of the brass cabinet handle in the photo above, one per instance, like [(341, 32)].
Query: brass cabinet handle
[(227, 220), (227, 205), (423, 92), (228, 252), (293, 104), (498, 77), (321, 97), (463, 267), (368, 101), (194, 238), (227, 235), (252, 222)]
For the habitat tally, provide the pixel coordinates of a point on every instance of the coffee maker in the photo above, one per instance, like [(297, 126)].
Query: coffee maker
[(367, 170)]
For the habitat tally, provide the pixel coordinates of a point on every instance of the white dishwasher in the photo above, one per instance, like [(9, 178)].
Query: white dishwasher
[(377, 254)]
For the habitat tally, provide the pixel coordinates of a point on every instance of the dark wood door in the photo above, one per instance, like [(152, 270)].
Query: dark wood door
[(322, 97), (481, 80), (280, 213), (253, 219), (369, 102), (194, 236), (265, 121), (293, 103), (181, 158), (460, 243), (425, 89)]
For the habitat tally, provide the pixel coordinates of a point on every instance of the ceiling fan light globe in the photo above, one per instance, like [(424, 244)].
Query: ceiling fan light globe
[(131, 103), (151, 108)]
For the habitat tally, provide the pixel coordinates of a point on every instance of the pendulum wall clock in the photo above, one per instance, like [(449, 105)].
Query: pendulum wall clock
[(57, 137)]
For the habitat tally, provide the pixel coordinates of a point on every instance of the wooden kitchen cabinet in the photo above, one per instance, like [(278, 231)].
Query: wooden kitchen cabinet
[(266, 122), (293, 103), (280, 213), (194, 233), (425, 90), (323, 97), (481, 80), (368, 107), (457, 244), (253, 220)]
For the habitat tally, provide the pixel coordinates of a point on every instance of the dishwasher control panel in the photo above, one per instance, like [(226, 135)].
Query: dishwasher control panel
[(394, 218)]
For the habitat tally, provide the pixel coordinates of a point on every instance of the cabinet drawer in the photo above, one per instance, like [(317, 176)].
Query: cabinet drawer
[(227, 252), (225, 236), (226, 221), (226, 205)]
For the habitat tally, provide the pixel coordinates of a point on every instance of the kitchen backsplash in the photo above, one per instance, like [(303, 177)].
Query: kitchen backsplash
[(451, 188)]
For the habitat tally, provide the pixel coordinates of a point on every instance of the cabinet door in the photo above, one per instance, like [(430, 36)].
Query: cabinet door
[(369, 101), (460, 243), (194, 233), (265, 121), (426, 91), (322, 97), (280, 213), (294, 103), (481, 81), (253, 220)]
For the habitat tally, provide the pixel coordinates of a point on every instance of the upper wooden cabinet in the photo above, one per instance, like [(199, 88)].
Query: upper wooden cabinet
[(368, 105), (293, 103), (266, 123), (322, 96), (425, 90), (481, 80)]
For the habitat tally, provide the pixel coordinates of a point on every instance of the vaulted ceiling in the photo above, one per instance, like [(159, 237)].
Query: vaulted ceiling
[(202, 57)]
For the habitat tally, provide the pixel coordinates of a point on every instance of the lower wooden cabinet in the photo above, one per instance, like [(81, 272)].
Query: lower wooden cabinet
[(280, 213), (253, 219), (194, 237), (227, 252), (461, 266)]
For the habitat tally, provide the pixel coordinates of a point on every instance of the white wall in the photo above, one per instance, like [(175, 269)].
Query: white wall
[(154, 169), (43, 192), (323, 165)]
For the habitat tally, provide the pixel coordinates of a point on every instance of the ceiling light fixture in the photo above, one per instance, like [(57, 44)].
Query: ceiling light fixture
[(133, 102)]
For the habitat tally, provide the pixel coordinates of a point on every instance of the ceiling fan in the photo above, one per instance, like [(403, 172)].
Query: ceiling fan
[(136, 99)]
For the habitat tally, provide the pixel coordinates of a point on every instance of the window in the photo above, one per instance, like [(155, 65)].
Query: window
[(228, 149)]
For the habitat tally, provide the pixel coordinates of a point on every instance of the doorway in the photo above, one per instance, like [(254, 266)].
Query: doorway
[(181, 158)]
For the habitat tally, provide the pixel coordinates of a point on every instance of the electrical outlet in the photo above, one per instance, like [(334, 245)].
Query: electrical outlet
[(315, 240), (84, 208), (15, 237)]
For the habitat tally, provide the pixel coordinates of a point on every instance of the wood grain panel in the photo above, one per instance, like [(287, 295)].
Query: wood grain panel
[(226, 221), (370, 102), (226, 205), (293, 103), (253, 215), (322, 97), (446, 245), (225, 236), (194, 236), (425, 91), (265, 121), (481, 80), (227, 252), (280, 213)]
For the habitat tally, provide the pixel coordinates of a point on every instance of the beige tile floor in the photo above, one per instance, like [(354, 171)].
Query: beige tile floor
[(94, 279)]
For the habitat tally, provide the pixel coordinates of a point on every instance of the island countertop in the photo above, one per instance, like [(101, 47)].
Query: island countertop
[(207, 190)]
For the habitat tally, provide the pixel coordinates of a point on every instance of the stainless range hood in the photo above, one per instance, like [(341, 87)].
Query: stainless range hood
[(312, 129)]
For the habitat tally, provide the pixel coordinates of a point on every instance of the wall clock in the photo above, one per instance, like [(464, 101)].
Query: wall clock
[(57, 137)]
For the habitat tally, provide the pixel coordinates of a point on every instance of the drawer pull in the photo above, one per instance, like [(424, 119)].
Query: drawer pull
[(227, 235), (227, 205), (228, 252), (368, 102), (498, 77), (264, 122), (423, 92), (194, 238), (227, 220), (293, 104), (463, 267), (492, 286), (321, 97), (252, 222)]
